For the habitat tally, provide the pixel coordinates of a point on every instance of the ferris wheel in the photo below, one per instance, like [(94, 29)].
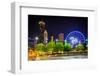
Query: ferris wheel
[(75, 37)]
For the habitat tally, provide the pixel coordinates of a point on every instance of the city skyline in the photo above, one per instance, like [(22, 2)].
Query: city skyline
[(57, 24), (57, 37)]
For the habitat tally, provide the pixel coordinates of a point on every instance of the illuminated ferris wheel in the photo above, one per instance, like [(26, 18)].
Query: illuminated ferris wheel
[(75, 37)]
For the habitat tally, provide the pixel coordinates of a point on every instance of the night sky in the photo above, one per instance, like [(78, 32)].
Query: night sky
[(57, 24)]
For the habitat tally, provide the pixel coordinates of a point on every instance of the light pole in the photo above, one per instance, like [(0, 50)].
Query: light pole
[(36, 38), (56, 40)]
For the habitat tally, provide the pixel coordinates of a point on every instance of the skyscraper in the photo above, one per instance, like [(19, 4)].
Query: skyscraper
[(45, 36), (61, 37)]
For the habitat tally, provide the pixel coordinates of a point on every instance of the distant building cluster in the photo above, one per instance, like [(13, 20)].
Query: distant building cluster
[(43, 35), (74, 37)]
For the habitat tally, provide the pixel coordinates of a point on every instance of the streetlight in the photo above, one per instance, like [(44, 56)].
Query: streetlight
[(36, 38), (56, 40)]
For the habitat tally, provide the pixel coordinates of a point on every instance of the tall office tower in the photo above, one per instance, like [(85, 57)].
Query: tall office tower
[(42, 29), (61, 37), (45, 36)]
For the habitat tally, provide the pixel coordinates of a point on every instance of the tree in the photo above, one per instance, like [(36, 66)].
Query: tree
[(80, 47), (85, 46), (50, 46), (67, 47), (59, 47), (40, 48)]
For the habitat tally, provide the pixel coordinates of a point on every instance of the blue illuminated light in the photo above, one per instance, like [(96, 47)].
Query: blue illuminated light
[(73, 40), (75, 37)]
